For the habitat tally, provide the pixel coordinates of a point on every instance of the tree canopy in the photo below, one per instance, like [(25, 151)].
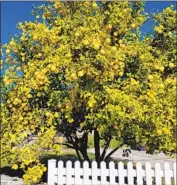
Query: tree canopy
[(85, 67)]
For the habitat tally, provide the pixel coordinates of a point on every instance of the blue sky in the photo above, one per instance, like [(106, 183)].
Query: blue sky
[(14, 12)]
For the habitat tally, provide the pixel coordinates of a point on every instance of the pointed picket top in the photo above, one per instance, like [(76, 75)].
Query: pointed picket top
[(166, 165), (112, 164), (139, 173), (60, 164), (52, 163), (77, 164), (69, 164), (94, 164), (86, 164), (130, 164), (103, 164), (121, 165)]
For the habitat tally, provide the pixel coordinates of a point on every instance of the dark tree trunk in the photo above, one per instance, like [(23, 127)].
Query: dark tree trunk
[(84, 145), (97, 146)]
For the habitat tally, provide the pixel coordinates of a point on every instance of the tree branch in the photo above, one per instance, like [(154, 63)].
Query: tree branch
[(105, 149), (69, 146), (75, 145), (113, 151)]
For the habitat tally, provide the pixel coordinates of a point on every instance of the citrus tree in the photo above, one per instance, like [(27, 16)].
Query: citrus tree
[(83, 67)]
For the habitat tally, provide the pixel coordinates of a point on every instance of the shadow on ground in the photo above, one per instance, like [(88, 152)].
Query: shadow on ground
[(10, 172)]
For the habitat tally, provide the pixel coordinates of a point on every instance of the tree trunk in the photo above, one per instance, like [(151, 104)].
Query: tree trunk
[(85, 155), (97, 146), (84, 147)]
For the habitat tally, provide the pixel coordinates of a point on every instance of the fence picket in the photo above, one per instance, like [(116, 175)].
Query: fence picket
[(113, 173), (52, 172), (158, 174), (148, 173), (61, 173), (95, 173), (78, 172), (167, 173), (104, 173), (121, 173), (139, 173), (87, 173), (131, 173), (69, 173)]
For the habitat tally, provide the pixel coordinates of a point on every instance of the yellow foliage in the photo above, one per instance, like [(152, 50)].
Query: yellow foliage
[(15, 166), (86, 66)]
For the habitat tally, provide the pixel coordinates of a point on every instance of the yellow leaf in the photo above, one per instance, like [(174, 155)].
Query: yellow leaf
[(15, 166)]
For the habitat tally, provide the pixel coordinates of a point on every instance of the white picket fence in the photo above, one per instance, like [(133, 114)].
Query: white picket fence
[(110, 174)]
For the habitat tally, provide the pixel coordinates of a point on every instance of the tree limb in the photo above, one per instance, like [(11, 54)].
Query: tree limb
[(69, 146), (113, 151), (105, 149)]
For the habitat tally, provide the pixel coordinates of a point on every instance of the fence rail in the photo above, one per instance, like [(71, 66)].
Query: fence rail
[(78, 173)]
